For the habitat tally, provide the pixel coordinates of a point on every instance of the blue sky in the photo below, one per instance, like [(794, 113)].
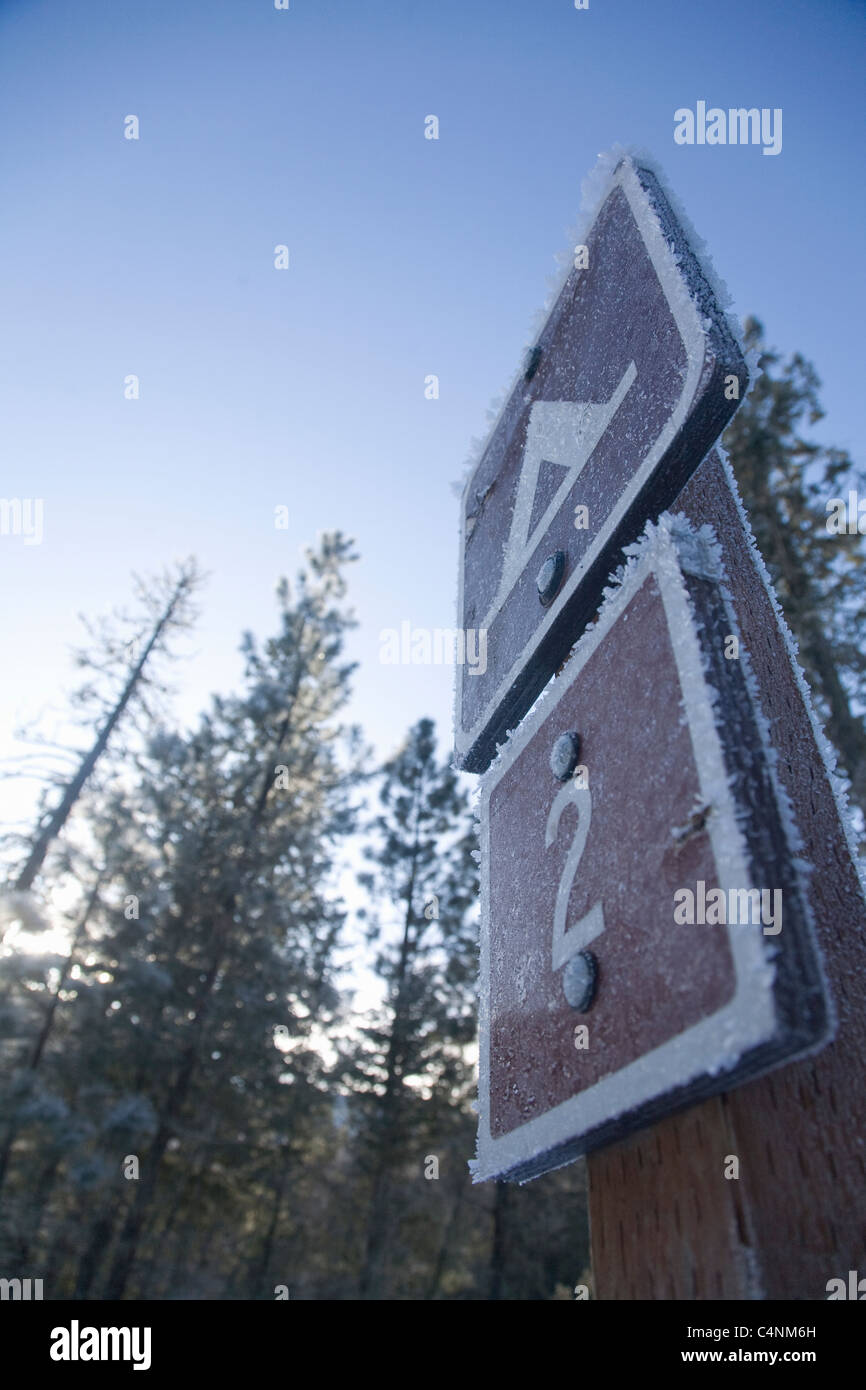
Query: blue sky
[(408, 256)]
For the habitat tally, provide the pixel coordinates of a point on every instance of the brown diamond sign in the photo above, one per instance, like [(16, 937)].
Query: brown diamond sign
[(633, 378), (646, 939)]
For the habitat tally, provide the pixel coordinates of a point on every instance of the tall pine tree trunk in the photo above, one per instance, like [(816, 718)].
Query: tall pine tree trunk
[(97, 1247), (39, 1205), (48, 1022), (498, 1246), (127, 1244), (445, 1246), (59, 817), (372, 1268), (130, 1235), (259, 1266)]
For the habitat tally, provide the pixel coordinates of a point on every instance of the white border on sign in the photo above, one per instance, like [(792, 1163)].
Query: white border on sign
[(714, 1044), (689, 321)]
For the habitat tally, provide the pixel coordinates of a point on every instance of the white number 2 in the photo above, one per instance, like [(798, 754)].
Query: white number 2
[(567, 941)]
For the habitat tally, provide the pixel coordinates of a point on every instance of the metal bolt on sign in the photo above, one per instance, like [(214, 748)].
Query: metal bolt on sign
[(550, 576), (580, 980), (533, 357), (564, 755)]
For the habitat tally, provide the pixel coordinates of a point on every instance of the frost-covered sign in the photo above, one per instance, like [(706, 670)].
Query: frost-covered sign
[(646, 939), (635, 374)]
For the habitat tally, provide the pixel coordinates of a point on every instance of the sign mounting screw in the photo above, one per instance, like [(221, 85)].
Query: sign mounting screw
[(564, 755), (580, 979), (530, 366), (550, 576)]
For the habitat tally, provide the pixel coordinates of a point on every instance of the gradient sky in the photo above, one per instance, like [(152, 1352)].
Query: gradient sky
[(408, 256)]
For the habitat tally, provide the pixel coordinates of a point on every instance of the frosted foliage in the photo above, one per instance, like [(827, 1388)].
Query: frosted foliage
[(133, 1113)]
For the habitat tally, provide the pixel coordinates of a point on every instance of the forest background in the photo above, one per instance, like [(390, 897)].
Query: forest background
[(251, 299), (193, 1105)]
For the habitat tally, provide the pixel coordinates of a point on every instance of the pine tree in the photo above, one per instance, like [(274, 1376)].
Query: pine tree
[(119, 681), (250, 808), (412, 1068), (186, 1035), (124, 662), (788, 482)]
